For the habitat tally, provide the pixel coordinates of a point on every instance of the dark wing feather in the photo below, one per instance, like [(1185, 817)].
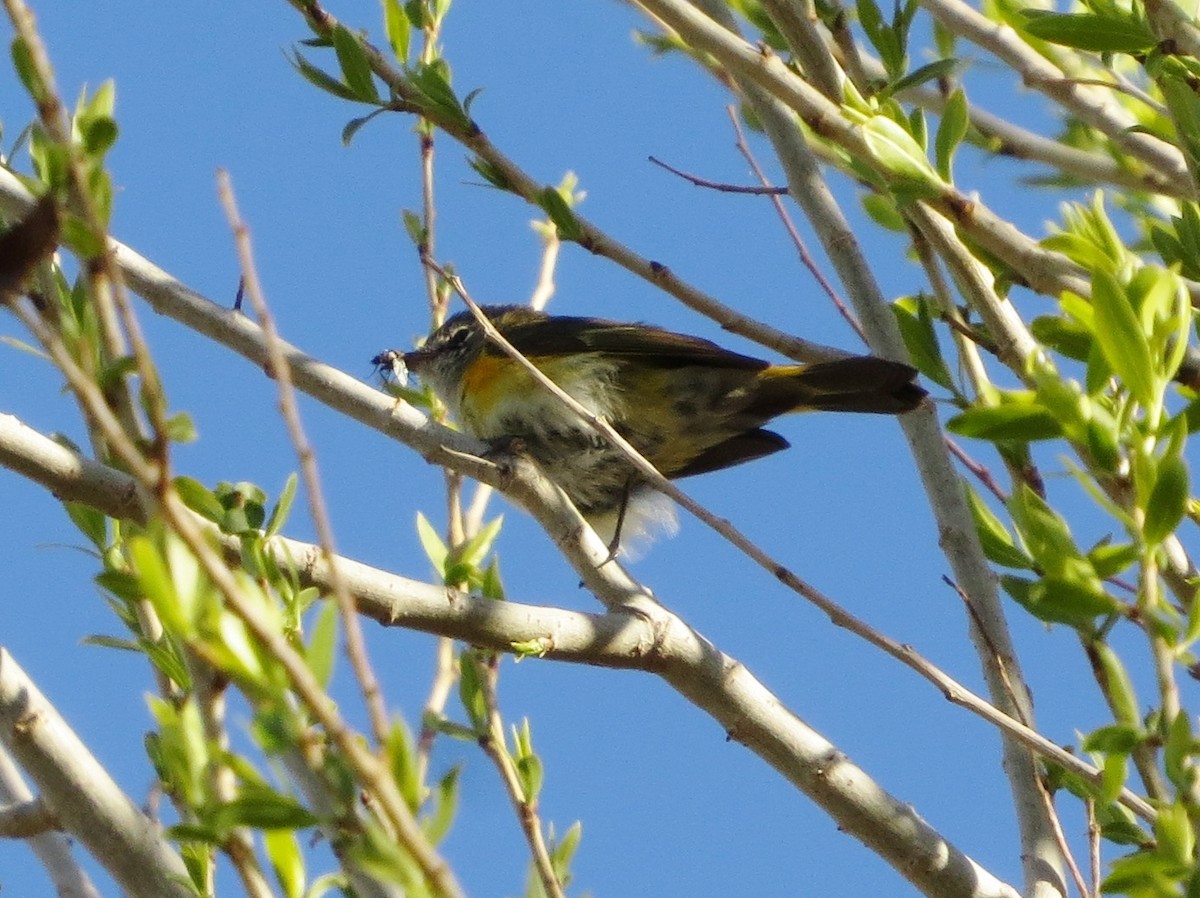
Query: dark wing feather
[(535, 334), (740, 448)]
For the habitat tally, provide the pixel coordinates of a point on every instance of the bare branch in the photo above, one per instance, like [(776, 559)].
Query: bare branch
[(52, 849), (81, 795)]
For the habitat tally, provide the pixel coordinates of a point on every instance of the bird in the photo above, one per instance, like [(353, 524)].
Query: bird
[(688, 405)]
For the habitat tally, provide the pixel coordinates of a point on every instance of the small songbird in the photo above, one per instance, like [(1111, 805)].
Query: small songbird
[(686, 404)]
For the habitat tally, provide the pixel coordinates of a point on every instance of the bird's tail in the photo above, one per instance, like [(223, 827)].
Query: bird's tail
[(853, 384)]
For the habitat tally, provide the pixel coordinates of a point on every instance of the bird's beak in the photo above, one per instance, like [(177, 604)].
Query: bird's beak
[(414, 361)]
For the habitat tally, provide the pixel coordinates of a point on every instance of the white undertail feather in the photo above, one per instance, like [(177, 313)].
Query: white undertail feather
[(649, 515)]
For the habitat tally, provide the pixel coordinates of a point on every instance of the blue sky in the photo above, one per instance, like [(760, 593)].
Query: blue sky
[(668, 805)]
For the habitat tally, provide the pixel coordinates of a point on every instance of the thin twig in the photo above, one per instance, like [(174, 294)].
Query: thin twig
[(1093, 838), (719, 186), (1051, 813), (445, 675), (978, 469), (458, 530), (1130, 90), (1061, 838), (797, 241), (238, 845), (495, 746), (356, 648)]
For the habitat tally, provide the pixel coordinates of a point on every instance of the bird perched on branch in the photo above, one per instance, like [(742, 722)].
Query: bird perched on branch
[(688, 405)]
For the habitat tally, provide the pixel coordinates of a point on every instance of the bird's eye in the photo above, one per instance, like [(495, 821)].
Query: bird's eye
[(457, 337)]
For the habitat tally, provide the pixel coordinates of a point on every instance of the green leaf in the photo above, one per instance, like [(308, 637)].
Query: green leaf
[(320, 78), (78, 235), (1046, 534), (445, 807), (1026, 422), (998, 544), (1110, 560), (1170, 250), (98, 134), (435, 549), (91, 523), (356, 68), (102, 103), (531, 774), (1121, 338), (415, 228), (1180, 246), (1143, 875), (1168, 500), (283, 506), (1064, 335), (1070, 590), (473, 551), (871, 20), (932, 71), (1117, 686), (329, 882), (195, 833), (1175, 837), (154, 581), (121, 584), (180, 751), (379, 855), (166, 658), (398, 29), (492, 586), (415, 10), (529, 765), (180, 429), (552, 202), (900, 155), (1178, 750), (1118, 825), (883, 212), (537, 648), (470, 98), (432, 81), (950, 133), (287, 860), (353, 126), (1089, 31), (564, 850), (27, 71), (111, 642), (235, 651), (470, 693), (402, 753), (1113, 739), (1064, 399), (920, 339), (1060, 600), (887, 39), (264, 809), (321, 652), (1114, 773)]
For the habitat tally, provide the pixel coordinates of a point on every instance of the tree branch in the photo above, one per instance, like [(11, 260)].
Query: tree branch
[(651, 639), (81, 795)]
